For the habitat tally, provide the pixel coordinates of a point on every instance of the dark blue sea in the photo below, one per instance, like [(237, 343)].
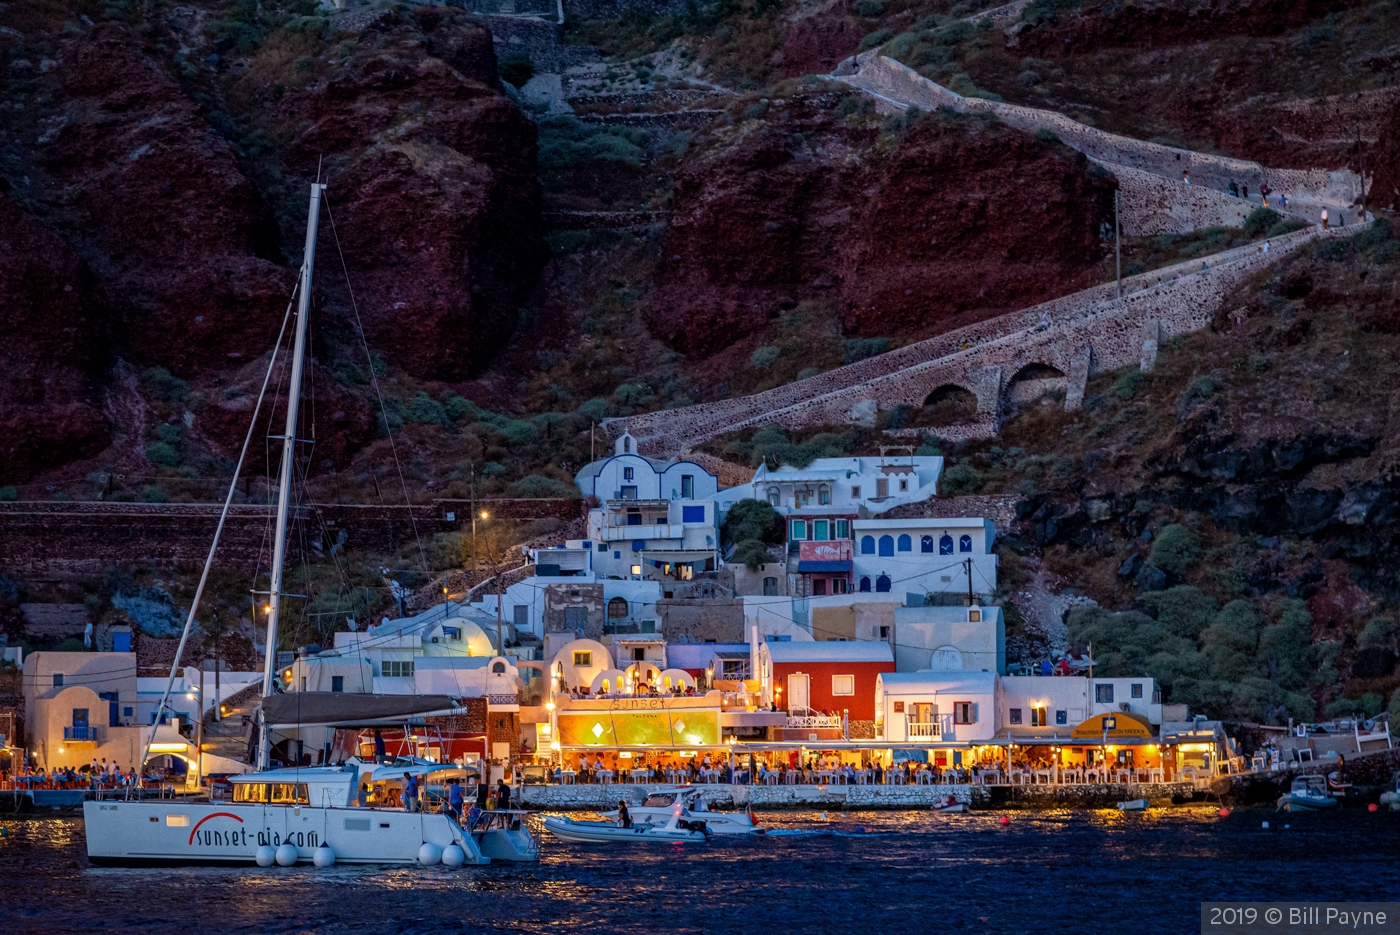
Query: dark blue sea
[(859, 873)]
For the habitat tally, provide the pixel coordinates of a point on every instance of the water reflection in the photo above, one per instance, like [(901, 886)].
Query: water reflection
[(1054, 870)]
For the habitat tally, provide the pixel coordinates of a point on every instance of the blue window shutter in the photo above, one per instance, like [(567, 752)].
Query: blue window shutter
[(945, 545), (882, 583), (965, 544), (692, 514), (867, 546), (926, 544), (887, 545), (905, 543), (865, 583)]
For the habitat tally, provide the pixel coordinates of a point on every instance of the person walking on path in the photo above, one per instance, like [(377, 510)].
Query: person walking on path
[(1324, 219), (1186, 176)]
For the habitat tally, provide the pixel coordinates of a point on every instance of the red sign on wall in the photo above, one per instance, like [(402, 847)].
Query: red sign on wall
[(839, 551)]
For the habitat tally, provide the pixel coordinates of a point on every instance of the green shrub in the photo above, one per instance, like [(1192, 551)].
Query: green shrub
[(425, 410), (9, 494), (1287, 226), (961, 478), (901, 45), (877, 37), (163, 454), (763, 357), (870, 8), (1046, 135), (752, 553), (170, 433), (565, 142), (1175, 549), (516, 66), (1127, 384), (457, 407), (154, 494), (753, 520), (857, 349), (164, 385), (1333, 251), (537, 486), (1260, 220), (1204, 387)]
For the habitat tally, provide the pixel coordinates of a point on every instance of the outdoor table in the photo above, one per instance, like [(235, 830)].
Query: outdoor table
[(1092, 775), (771, 779), (895, 777), (567, 776), (790, 776), (1156, 774), (1015, 777), (641, 775), (863, 777), (1045, 776), (711, 775), (826, 777), (605, 776), (925, 778), (991, 777)]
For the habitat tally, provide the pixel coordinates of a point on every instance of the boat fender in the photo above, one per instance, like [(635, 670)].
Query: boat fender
[(286, 855), (429, 854), (1373, 807), (266, 856), (323, 856), (453, 856)]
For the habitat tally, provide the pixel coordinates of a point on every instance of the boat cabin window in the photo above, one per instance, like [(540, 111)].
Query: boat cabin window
[(658, 801), (274, 793)]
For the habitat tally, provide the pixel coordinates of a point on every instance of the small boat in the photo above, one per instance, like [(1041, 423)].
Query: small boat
[(1392, 799), (1336, 786), (1308, 794), (950, 805), (501, 834), (677, 830), (1133, 805), (659, 807)]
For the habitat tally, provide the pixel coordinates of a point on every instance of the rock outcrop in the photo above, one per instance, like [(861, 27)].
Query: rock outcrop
[(913, 231)]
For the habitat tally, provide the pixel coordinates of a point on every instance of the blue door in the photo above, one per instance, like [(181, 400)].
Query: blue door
[(113, 710)]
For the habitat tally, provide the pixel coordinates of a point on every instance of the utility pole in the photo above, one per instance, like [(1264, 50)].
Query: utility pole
[(967, 565), (199, 733), (218, 699), (1361, 164), (476, 568), (500, 645), (1117, 243)]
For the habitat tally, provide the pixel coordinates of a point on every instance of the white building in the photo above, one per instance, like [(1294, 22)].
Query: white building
[(924, 556), (655, 519), (1044, 706), (938, 707), (588, 602), (949, 639), (840, 487)]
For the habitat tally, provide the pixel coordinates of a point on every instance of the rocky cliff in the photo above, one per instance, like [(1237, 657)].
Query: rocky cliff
[(158, 165), (911, 226)]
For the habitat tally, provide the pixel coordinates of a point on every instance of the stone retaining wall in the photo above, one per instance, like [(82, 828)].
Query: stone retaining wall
[(1151, 204), (984, 357), (724, 796)]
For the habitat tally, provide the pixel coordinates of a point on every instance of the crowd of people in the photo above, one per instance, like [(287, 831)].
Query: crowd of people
[(95, 775)]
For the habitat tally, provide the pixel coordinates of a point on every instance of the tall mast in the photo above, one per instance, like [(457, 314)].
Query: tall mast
[(289, 441)]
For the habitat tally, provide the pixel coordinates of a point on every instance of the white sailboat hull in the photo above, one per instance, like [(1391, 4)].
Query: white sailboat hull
[(174, 832)]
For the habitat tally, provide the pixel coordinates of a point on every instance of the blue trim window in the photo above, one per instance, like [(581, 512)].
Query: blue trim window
[(693, 514), (906, 544), (887, 545), (867, 547), (799, 530), (945, 544), (964, 543), (926, 545)]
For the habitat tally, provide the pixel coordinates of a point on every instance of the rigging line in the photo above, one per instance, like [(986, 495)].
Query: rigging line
[(374, 382), (214, 545)]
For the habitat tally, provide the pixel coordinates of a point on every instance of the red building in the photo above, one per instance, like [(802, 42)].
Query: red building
[(831, 678)]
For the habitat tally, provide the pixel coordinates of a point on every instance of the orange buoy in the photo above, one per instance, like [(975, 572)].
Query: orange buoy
[(1004, 820), (1224, 813), (1373, 807)]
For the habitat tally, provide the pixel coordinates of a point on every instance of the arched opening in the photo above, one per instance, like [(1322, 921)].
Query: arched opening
[(865, 583), (617, 607), (1034, 381), (964, 543), (905, 543), (887, 545), (867, 545), (949, 404), (926, 544), (882, 584), (945, 544)]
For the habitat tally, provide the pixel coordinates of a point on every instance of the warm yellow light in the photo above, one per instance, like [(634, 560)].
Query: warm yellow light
[(485, 515), (267, 608), (554, 746), (444, 590), (169, 747), (60, 749), (549, 706), (544, 728)]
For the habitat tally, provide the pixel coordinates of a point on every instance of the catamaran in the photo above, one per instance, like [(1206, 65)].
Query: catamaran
[(315, 815)]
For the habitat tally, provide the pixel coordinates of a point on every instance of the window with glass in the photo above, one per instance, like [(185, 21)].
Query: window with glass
[(843, 529), (1136, 690), (1013, 715), (824, 495), (801, 497), (775, 497), (627, 473), (1103, 694), (843, 684), (617, 607), (799, 529), (964, 712), (855, 492), (337, 683), (1039, 717), (687, 487), (583, 658), (396, 668)]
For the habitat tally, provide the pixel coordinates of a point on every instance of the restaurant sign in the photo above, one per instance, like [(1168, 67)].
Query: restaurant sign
[(1118, 725), (651, 728)]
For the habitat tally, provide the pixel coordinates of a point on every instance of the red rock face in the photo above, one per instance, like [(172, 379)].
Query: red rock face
[(432, 175), (155, 202), (1384, 163), (51, 350), (817, 44), (954, 221)]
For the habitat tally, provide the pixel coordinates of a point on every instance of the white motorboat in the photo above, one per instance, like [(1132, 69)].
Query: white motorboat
[(1307, 794), (949, 806), (676, 831), (1133, 805), (283, 816), (659, 807), (501, 834)]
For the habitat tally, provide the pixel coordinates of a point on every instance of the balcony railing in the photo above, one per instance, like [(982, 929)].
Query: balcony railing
[(88, 734), (815, 722), (924, 729)]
